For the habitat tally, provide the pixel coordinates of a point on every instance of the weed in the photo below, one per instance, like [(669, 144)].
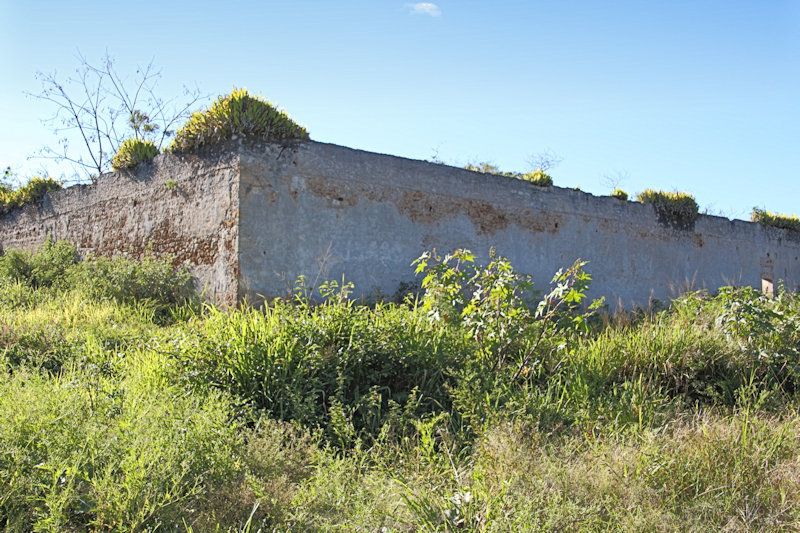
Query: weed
[(48, 266), (339, 416), (765, 218), (619, 194), (237, 114), (538, 177), (132, 152), (31, 192), (151, 279), (678, 209), (493, 304)]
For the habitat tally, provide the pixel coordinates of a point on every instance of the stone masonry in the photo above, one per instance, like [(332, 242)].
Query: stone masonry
[(249, 219)]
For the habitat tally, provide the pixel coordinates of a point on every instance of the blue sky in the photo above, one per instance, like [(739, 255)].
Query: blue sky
[(699, 96)]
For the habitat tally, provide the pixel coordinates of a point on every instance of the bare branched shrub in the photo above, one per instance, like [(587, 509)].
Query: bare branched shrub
[(104, 109)]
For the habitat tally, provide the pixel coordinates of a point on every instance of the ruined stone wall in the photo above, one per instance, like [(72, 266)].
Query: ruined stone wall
[(326, 211), (253, 218), (183, 206)]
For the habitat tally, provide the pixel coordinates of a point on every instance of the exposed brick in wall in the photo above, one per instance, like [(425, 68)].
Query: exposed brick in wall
[(185, 207)]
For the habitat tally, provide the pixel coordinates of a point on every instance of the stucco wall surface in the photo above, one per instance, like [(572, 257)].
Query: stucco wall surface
[(183, 206), (249, 219), (326, 211)]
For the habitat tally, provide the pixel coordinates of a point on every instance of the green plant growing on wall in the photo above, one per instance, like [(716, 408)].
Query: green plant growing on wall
[(765, 218), (132, 152), (678, 209), (484, 167), (619, 193), (33, 191), (237, 114), (538, 177), (5, 181), (6, 190)]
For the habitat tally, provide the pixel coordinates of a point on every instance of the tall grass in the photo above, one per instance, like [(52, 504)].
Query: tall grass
[(83, 449), (346, 368), (128, 410)]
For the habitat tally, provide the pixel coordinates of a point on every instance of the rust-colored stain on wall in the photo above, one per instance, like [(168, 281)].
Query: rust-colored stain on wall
[(338, 194), (488, 219)]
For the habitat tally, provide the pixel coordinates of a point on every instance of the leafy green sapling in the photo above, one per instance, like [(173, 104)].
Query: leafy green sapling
[(495, 303)]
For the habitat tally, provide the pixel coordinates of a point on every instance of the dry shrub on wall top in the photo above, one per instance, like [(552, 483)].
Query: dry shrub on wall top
[(237, 114), (101, 108)]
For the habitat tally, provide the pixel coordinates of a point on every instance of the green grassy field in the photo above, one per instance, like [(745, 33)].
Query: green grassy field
[(127, 406)]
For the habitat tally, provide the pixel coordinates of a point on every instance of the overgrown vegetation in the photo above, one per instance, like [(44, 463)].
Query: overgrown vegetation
[(237, 114), (5, 181), (765, 218), (490, 404), (678, 209), (31, 192), (538, 177), (620, 194), (132, 152), (488, 168)]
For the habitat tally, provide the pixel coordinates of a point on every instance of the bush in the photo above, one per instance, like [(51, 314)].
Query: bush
[(765, 218), (676, 208), (56, 264), (238, 113), (132, 152), (46, 267), (619, 193), (126, 280), (15, 266), (33, 191), (488, 168), (538, 177), (495, 304)]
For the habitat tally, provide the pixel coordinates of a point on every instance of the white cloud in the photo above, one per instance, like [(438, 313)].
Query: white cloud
[(424, 8)]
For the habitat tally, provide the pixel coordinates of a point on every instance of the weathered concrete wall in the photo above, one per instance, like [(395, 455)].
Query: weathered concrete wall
[(185, 206), (252, 218), (325, 211)]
